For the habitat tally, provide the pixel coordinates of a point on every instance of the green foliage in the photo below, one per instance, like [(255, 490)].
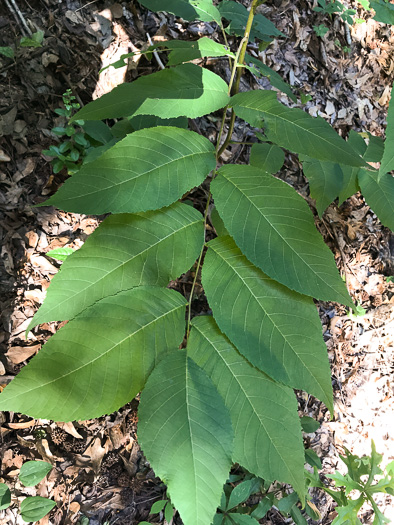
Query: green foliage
[(384, 11), (331, 7), (321, 30), (365, 476), (36, 507), (5, 496), (217, 389), (68, 153), (35, 40), (60, 254), (7, 51), (32, 508), (237, 15), (185, 90), (127, 178), (32, 472)]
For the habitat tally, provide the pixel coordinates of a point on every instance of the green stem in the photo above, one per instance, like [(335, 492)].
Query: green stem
[(189, 313), (233, 89), (239, 60)]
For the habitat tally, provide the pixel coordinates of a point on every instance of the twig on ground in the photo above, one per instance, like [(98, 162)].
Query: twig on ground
[(20, 20)]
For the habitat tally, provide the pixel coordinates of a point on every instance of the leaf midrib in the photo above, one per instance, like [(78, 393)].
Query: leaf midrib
[(128, 261), (257, 300), (133, 179), (246, 396), (282, 238), (197, 507), (89, 363), (299, 127)]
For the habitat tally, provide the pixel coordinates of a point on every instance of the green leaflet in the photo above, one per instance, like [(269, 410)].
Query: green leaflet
[(384, 11), (147, 170), (387, 163), (350, 183), (259, 69), (186, 90), (267, 157), (267, 430), (294, 129), (188, 9), (375, 149), (277, 330), (126, 250), (184, 50), (274, 228), (185, 432), (379, 195), (237, 14), (101, 360), (325, 182)]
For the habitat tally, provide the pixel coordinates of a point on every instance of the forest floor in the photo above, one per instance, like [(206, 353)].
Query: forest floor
[(100, 472)]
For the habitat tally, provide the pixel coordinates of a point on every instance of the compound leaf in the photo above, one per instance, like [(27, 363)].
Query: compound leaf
[(277, 330), (325, 182), (147, 170), (267, 431), (185, 432), (188, 9), (379, 195), (101, 360), (274, 228), (126, 251), (294, 129), (186, 90)]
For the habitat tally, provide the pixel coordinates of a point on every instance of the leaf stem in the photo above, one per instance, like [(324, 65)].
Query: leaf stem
[(236, 74), (239, 59), (189, 312)]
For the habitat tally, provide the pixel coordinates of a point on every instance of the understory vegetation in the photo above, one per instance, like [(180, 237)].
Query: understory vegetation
[(218, 389)]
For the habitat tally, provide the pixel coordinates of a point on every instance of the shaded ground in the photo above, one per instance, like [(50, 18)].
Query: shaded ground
[(100, 472)]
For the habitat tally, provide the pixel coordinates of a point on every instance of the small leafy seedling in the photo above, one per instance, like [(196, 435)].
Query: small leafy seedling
[(365, 478), (162, 505), (331, 7), (32, 508), (35, 40)]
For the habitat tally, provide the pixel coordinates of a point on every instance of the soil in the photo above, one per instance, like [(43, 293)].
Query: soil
[(100, 474)]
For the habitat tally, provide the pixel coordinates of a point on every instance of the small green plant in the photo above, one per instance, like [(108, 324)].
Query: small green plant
[(331, 7), (320, 30), (364, 479), (68, 153), (82, 141), (35, 40), (32, 508)]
